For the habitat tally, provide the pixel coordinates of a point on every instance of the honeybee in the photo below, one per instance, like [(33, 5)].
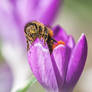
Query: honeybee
[(35, 30)]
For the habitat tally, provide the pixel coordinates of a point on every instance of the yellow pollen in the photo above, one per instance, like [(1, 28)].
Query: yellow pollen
[(58, 43), (51, 33)]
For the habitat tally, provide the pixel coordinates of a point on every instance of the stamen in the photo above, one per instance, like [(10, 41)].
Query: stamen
[(58, 43)]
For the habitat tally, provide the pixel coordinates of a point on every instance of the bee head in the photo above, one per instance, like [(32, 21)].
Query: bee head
[(30, 28)]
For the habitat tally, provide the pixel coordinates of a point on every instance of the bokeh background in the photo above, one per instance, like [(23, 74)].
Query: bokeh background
[(76, 18)]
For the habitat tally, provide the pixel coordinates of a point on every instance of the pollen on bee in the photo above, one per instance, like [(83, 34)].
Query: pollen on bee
[(58, 43), (51, 33)]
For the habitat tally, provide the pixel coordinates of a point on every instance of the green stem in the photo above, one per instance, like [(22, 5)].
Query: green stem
[(25, 89)]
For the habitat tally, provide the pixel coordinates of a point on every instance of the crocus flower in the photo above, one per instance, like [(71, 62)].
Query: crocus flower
[(60, 70)]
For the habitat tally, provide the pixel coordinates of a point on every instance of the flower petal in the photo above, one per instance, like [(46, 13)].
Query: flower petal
[(70, 45), (70, 42), (77, 62), (41, 65), (6, 78), (60, 62), (60, 34), (41, 10), (9, 30)]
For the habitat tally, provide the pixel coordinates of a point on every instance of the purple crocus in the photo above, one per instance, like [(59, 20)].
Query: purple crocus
[(60, 70)]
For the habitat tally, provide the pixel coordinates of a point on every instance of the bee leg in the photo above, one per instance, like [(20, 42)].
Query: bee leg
[(45, 40), (27, 41), (27, 45), (31, 41)]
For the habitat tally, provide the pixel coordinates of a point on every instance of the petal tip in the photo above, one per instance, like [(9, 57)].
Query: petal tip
[(83, 39), (83, 43), (83, 36)]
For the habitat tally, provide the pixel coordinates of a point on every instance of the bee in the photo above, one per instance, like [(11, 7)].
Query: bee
[(34, 30)]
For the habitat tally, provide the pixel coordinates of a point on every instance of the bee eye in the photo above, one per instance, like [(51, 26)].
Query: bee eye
[(32, 27), (27, 31)]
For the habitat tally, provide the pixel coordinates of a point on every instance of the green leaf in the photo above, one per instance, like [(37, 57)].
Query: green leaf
[(29, 84)]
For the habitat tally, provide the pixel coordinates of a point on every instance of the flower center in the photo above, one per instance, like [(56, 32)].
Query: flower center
[(58, 43), (52, 43)]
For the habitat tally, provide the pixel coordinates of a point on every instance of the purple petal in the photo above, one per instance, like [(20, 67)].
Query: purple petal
[(70, 42), (6, 78), (9, 29), (60, 62), (77, 62), (41, 65), (60, 34), (70, 45), (41, 10)]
